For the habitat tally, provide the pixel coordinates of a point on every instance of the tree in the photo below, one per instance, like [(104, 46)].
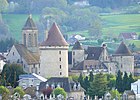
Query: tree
[(10, 74), (80, 79), (47, 91), (95, 28), (3, 5), (125, 82), (119, 84), (114, 94), (5, 92), (58, 91), (91, 77), (20, 91), (99, 86), (86, 83), (131, 80)]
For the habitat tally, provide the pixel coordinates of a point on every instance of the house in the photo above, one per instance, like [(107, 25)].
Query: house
[(2, 62), (124, 59), (82, 3), (54, 54), (128, 95), (95, 60), (136, 88), (79, 37), (27, 53), (30, 80), (78, 54), (73, 89), (128, 36), (21, 55)]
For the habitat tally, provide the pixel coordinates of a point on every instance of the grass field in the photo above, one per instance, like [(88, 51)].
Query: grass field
[(16, 22), (112, 24), (115, 24)]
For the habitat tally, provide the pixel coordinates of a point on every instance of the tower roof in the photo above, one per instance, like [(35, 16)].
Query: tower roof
[(77, 46), (123, 50), (30, 24), (55, 37)]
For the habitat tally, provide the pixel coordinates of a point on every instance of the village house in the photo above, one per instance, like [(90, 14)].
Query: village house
[(30, 80), (124, 59), (128, 36), (73, 89)]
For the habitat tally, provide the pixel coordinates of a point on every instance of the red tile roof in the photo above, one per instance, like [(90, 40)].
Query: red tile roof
[(55, 37)]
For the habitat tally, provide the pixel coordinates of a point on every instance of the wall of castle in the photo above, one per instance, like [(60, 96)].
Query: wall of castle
[(54, 61)]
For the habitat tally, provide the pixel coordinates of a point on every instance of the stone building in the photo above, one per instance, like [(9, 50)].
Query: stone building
[(73, 89), (27, 54), (30, 35), (54, 54), (124, 59), (78, 54)]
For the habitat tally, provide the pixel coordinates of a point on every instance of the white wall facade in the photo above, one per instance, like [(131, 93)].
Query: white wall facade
[(54, 61), (2, 63)]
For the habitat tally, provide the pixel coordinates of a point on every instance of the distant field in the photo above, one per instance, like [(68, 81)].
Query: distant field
[(112, 24), (16, 22), (115, 24)]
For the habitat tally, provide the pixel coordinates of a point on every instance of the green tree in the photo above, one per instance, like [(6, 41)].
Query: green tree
[(58, 91), (95, 28), (114, 94), (5, 92), (91, 77), (20, 91), (131, 80), (125, 82), (86, 83), (98, 87), (3, 5), (80, 79), (119, 84), (10, 74)]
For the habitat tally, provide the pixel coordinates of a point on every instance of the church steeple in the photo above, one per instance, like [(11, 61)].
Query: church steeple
[(30, 35)]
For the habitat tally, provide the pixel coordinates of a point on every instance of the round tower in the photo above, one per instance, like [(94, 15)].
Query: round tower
[(54, 54)]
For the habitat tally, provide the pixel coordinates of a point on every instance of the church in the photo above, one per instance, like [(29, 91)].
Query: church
[(48, 59)]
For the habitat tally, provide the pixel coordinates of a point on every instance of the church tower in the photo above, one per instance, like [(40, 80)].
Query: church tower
[(30, 35), (54, 54)]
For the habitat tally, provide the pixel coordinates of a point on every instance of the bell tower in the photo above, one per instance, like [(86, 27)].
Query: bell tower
[(30, 35)]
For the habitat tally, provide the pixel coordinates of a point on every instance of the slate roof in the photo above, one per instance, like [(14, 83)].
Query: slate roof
[(2, 57), (129, 92), (123, 50), (127, 35), (79, 66), (94, 53), (55, 37), (28, 56), (63, 81), (29, 25), (33, 75), (77, 46)]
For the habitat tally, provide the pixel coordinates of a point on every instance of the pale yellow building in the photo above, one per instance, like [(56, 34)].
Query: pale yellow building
[(54, 54)]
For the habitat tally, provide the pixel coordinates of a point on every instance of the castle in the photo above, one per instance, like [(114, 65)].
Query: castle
[(50, 58)]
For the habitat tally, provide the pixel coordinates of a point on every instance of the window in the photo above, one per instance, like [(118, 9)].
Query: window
[(73, 60), (73, 53), (25, 39), (13, 53), (60, 66), (121, 66), (60, 73), (59, 59), (59, 52), (34, 65)]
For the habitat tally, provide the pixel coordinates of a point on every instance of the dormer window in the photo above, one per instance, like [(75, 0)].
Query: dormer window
[(93, 55), (13, 53), (74, 87)]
